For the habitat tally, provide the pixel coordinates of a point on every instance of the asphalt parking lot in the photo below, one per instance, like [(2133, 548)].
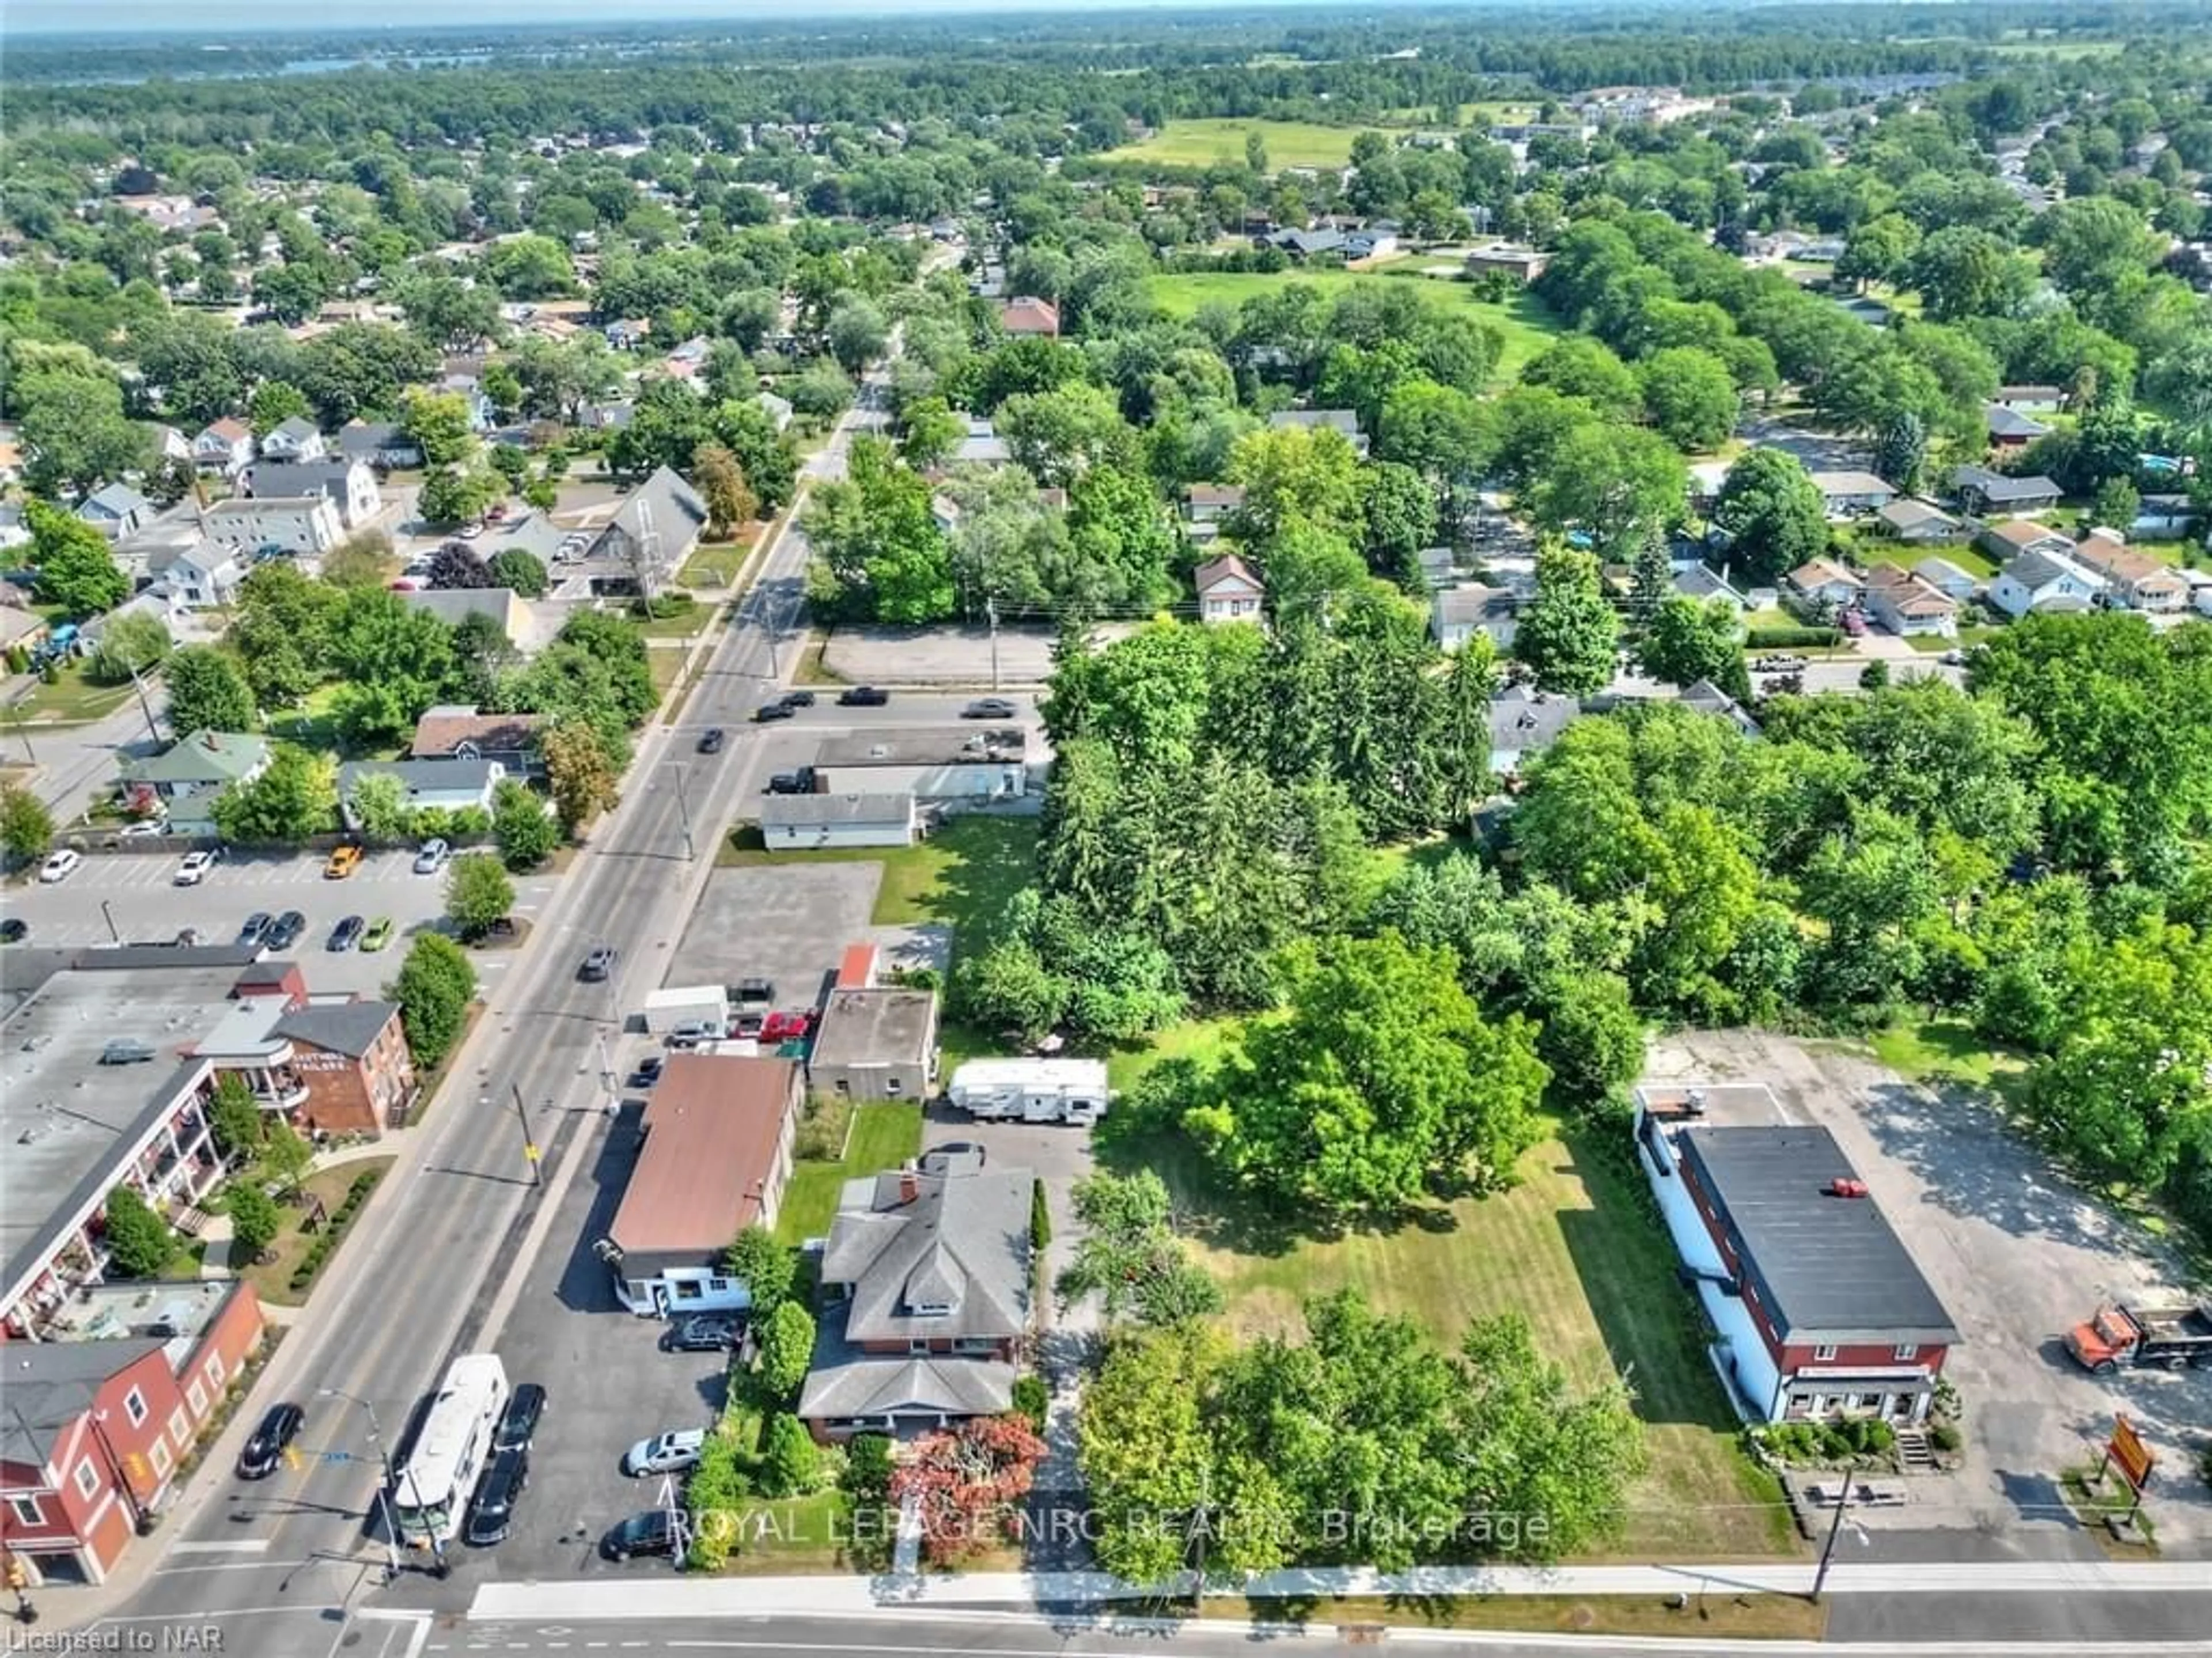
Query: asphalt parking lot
[(787, 923), (1057, 1154), (608, 1384), (2017, 1254), (137, 891)]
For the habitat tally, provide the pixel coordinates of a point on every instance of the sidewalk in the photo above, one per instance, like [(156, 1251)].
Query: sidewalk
[(740, 1597)]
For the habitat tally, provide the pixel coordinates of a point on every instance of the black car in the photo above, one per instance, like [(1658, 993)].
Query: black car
[(863, 696), (988, 708), (266, 1449), (755, 993), (493, 1511), (656, 1531), (770, 711), (519, 1425), (598, 964), (647, 1073), (792, 782), (711, 739), (285, 931), (707, 1333), (13, 930), (796, 699), (347, 933), (256, 929)]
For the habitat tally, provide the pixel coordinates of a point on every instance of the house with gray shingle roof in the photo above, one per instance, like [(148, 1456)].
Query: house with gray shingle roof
[(932, 1266)]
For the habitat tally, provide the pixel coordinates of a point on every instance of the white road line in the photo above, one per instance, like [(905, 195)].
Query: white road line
[(233, 1565), (230, 1545)]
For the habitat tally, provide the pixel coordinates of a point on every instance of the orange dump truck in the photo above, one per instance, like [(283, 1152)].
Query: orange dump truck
[(2165, 1338)]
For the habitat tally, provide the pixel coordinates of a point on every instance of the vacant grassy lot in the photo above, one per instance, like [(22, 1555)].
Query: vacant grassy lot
[(963, 876), (1573, 1248), (1877, 550), (1526, 322), (883, 1137), (1201, 142), (71, 699)]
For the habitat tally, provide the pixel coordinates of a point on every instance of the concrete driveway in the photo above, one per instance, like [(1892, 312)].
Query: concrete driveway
[(2017, 1254)]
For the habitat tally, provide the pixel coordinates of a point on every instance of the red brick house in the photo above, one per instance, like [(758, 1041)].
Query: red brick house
[(341, 1067), (99, 1420), (1819, 1309)]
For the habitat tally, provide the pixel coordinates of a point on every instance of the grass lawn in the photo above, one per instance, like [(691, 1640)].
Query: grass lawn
[(716, 562), (812, 668), (71, 699), (1526, 321), (312, 723), (685, 624), (1964, 554), (272, 1280), (793, 1534), (1573, 1246), (1201, 141), (2093, 1500), (1718, 1616), (965, 875), (883, 1136), (667, 666), (1941, 1051)]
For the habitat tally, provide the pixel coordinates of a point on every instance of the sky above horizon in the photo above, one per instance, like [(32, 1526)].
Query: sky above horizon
[(216, 16)]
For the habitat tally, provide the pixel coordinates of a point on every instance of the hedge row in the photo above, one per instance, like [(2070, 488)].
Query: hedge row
[(334, 1230), (1778, 639)]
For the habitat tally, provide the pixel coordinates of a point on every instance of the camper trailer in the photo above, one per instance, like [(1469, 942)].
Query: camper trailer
[(1030, 1091)]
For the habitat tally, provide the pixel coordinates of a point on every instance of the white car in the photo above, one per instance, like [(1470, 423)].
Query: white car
[(194, 868), (144, 831), (668, 1453), (432, 857), (60, 865)]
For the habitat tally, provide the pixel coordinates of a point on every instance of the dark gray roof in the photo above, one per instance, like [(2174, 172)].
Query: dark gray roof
[(52, 1383), (270, 480), (1525, 721), (422, 776), (846, 1382), (368, 440), (1996, 487), (677, 514), (348, 1028), (2005, 422), (809, 811), (963, 1240), (1825, 1266)]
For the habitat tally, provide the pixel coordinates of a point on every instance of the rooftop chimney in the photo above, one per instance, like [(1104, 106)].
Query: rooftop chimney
[(909, 1184)]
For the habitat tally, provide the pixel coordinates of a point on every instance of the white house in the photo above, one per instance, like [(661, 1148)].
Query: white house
[(1457, 613), (293, 524), (454, 785), (1701, 581), (779, 409), (204, 575), (1228, 590), (296, 439), (1825, 582), (2139, 582), (1947, 579), (2162, 517), (808, 822), (2045, 581), (223, 446), (350, 485), (1852, 494), (1344, 421), (116, 510), (1915, 520), (1901, 602)]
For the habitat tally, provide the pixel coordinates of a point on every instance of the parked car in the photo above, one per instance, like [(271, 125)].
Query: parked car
[(60, 865), (655, 1531), (647, 1073), (692, 1033), (796, 699), (519, 1425), (344, 860), (747, 1025), (792, 782), (598, 963), (256, 929), (278, 1429), (669, 1453), (707, 1333), (711, 739), (492, 1511), (378, 934), (757, 992), (194, 868), (347, 933), (787, 1026), (863, 696), (960, 1149), (1852, 623), (768, 712), (13, 930), (146, 829), (988, 708), (286, 931), (432, 857)]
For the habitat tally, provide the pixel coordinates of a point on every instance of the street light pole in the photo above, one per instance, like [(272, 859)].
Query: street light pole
[(529, 1139), (108, 915), (145, 707), (1828, 1548), (384, 1484)]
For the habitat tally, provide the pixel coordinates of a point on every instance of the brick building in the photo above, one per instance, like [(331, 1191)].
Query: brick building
[(102, 1415)]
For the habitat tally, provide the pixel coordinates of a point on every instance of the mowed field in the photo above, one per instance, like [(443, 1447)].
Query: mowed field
[(1573, 1248), (1202, 141), (1526, 322)]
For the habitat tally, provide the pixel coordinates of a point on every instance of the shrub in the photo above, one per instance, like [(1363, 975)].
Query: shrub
[(1040, 1217), (1032, 1397), (663, 606), (1783, 639), (716, 1486), (1945, 1437), (790, 1465)]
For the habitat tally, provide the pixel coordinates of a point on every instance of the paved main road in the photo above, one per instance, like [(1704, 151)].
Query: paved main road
[(426, 1275)]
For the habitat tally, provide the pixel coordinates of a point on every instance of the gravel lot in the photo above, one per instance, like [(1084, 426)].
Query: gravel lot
[(944, 656), (2017, 1254)]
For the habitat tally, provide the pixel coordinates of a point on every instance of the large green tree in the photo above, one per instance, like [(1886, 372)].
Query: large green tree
[(1773, 513), (76, 567), (295, 797), (433, 989), (1686, 641), (1568, 635)]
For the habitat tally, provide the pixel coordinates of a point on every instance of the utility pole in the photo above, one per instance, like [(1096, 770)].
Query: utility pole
[(384, 1488), (108, 915), (139, 685), (22, 736), (529, 1140), (1828, 1548), (769, 626), (683, 811)]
